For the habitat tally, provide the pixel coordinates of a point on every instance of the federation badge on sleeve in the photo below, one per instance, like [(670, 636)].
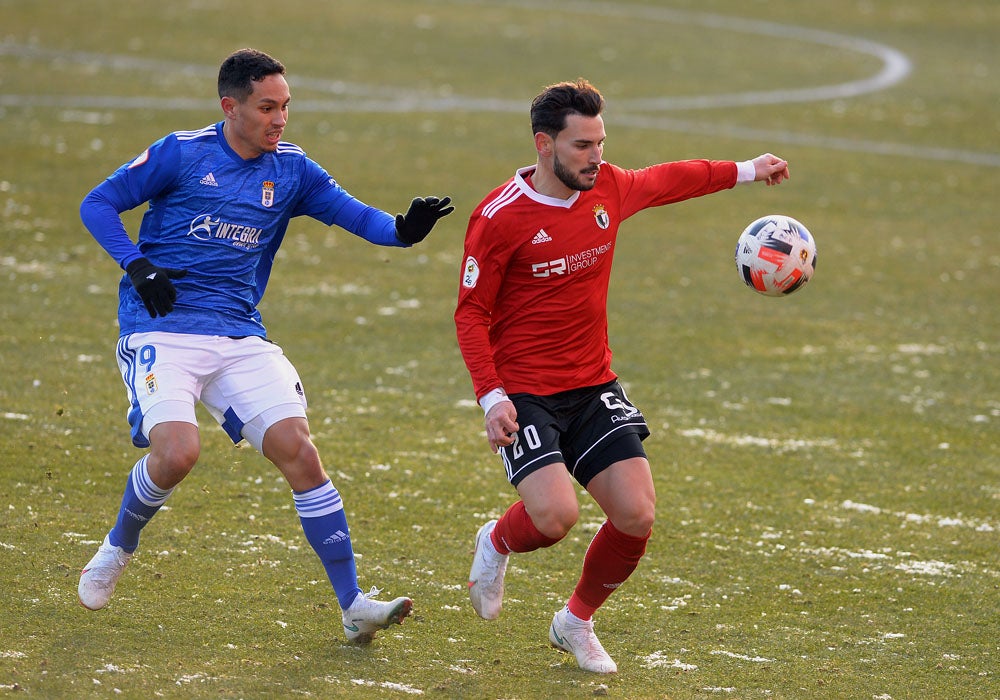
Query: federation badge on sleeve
[(471, 273), (267, 193), (139, 159)]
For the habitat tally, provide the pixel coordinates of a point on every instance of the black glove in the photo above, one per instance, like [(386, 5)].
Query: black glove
[(424, 212), (153, 285)]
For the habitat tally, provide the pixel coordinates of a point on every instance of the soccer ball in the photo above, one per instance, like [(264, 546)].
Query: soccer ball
[(775, 255)]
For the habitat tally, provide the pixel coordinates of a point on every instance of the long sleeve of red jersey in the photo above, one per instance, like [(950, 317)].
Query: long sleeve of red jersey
[(477, 297), (677, 181)]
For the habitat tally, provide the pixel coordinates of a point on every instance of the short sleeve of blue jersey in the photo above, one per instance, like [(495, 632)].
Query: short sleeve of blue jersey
[(325, 200)]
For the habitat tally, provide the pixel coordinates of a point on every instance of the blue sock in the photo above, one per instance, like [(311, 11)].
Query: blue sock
[(141, 500), (321, 513)]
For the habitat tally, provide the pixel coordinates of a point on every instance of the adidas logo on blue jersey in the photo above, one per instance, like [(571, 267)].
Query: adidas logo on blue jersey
[(209, 180)]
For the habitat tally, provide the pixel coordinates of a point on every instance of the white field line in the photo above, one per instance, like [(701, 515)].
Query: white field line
[(385, 99), (895, 65)]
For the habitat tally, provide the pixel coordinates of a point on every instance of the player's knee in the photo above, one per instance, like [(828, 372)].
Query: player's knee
[(636, 522), (556, 521), (300, 464), (638, 526), (286, 441), (171, 461), (306, 461)]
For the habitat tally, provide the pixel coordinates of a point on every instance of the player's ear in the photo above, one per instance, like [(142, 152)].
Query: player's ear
[(544, 144), (228, 106)]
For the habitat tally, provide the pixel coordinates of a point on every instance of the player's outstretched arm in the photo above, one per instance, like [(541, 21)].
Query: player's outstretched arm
[(770, 168)]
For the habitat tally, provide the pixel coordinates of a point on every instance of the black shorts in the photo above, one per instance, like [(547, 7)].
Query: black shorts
[(586, 429)]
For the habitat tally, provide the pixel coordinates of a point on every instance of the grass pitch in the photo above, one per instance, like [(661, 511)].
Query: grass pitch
[(827, 465)]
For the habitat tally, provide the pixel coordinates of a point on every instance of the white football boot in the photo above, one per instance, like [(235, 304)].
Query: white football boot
[(486, 575), (570, 633), (365, 616), (101, 574)]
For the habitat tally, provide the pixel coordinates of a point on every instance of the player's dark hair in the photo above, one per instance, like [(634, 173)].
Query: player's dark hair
[(551, 107), (242, 69)]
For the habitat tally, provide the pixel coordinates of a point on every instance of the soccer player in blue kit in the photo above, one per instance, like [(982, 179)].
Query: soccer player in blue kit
[(220, 200)]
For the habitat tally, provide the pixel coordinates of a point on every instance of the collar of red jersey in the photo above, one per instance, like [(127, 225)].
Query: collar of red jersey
[(528, 190)]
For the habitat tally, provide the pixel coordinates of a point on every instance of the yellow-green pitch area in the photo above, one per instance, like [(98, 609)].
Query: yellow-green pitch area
[(827, 464)]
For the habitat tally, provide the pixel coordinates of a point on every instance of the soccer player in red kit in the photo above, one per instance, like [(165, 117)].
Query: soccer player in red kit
[(533, 330)]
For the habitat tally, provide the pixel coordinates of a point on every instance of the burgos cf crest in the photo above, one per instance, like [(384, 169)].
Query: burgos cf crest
[(267, 193), (601, 216)]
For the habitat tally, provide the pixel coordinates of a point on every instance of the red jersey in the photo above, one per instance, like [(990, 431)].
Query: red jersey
[(532, 301)]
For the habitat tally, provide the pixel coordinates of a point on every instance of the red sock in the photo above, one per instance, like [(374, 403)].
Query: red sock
[(611, 558), (516, 533)]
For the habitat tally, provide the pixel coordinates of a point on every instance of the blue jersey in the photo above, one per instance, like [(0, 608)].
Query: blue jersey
[(221, 218)]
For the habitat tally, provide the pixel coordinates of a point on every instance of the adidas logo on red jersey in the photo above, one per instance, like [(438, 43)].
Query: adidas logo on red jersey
[(541, 237)]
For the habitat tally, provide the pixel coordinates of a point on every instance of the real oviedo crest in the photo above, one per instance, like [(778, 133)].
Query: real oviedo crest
[(601, 216), (267, 193)]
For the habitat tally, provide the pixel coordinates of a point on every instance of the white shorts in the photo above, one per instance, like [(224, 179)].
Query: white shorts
[(247, 384)]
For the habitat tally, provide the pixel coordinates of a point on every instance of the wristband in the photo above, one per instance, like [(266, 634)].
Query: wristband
[(745, 171), (492, 398)]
